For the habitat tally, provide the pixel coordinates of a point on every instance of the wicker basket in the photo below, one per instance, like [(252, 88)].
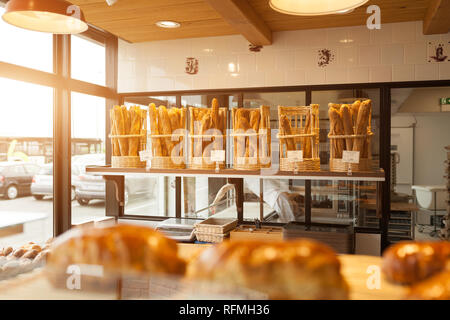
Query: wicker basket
[(217, 141), (216, 226), (364, 165), (260, 141), (211, 237), (305, 138), (173, 162), (127, 162)]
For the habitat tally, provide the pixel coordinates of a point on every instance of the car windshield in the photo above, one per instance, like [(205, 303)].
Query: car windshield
[(47, 170)]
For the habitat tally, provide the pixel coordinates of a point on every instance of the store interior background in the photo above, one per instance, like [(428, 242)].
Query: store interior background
[(396, 53)]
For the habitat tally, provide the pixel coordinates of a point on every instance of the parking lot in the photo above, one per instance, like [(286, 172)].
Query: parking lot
[(41, 230)]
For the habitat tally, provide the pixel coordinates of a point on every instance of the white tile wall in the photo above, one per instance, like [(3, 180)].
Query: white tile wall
[(397, 52)]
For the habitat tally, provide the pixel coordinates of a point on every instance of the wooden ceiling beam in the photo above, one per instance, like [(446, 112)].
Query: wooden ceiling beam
[(241, 15), (437, 18)]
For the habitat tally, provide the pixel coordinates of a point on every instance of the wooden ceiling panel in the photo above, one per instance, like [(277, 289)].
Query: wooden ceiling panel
[(134, 20), (391, 11)]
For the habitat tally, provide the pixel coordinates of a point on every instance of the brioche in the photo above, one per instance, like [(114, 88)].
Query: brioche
[(301, 269), (120, 250), (409, 262)]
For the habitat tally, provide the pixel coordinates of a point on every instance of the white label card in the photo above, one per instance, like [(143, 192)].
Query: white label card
[(294, 156), (350, 156), (218, 155), (145, 155)]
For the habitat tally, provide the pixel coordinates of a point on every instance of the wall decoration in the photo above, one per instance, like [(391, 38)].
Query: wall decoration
[(438, 51), (326, 56), (191, 65)]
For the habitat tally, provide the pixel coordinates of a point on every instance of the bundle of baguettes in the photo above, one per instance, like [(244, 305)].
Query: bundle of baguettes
[(167, 129), (249, 124), (299, 131), (128, 130), (352, 122), (208, 130)]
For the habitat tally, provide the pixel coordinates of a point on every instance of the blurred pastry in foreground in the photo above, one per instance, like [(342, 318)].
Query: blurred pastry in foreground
[(114, 252), (409, 262), (435, 288), (301, 269)]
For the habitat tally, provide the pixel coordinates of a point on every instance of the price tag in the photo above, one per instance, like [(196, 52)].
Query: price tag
[(350, 156), (145, 155), (218, 155), (295, 156)]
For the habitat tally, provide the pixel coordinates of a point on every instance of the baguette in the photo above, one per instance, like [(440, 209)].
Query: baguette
[(255, 117), (354, 109), (285, 130), (166, 129), (115, 141), (215, 113), (264, 130), (362, 123), (336, 128), (348, 125), (174, 119), (136, 126), (123, 142), (307, 140), (206, 124), (154, 129), (242, 126)]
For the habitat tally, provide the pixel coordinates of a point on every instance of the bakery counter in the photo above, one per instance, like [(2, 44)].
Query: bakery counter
[(361, 273)]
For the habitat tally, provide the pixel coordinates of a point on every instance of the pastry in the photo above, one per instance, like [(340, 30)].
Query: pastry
[(119, 250), (409, 262), (301, 269)]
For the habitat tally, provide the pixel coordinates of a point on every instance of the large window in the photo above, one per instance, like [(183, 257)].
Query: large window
[(26, 48), (88, 61), (26, 176)]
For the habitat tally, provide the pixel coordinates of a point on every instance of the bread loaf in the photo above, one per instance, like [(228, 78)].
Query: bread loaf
[(307, 153), (265, 133), (286, 130), (165, 128), (156, 142), (348, 125), (362, 123), (242, 127), (255, 117), (336, 128)]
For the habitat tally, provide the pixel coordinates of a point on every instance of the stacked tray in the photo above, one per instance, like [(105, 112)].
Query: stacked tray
[(214, 230)]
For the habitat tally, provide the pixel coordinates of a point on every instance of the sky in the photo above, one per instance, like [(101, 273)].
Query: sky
[(26, 109)]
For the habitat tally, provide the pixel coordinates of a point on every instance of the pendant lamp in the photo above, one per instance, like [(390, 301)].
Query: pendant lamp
[(52, 16), (314, 7)]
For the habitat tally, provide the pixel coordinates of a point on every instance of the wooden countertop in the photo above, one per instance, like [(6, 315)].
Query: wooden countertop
[(355, 269), (395, 206)]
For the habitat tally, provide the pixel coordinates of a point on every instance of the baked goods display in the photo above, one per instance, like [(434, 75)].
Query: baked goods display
[(350, 130), (128, 135), (207, 132), (424, 265), (167, 128), (299, 131), (23, 259), (301, 269), (251, 138), (118, 250)]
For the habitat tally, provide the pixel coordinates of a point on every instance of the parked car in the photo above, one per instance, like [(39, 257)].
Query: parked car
[(42, 184), (91, 187), (16, 178)]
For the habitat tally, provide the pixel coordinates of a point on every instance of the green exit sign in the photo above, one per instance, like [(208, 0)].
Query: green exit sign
[(445, 101)]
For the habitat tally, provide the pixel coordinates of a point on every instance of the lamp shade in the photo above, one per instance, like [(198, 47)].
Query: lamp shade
[(314, 7), (53, 16)]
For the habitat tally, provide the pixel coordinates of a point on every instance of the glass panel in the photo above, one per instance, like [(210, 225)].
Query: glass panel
[(88, 148), (26, 130), (323, 98), (88, 60), (420, 130), (26, 48)]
